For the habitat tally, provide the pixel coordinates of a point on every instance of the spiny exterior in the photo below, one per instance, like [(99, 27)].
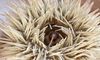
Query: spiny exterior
[(25, 36)]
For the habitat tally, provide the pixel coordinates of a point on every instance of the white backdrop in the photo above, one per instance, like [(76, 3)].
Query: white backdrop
[(3, 7)]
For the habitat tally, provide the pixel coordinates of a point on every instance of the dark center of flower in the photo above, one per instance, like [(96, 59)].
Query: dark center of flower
[(52, 36)]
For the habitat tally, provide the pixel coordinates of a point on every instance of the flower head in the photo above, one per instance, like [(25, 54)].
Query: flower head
[(50, 30)]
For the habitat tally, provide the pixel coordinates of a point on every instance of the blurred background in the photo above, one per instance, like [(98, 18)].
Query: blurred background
[(3, 5), (96, 4)]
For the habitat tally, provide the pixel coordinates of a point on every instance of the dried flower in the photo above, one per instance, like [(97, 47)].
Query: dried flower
[(50, 30)]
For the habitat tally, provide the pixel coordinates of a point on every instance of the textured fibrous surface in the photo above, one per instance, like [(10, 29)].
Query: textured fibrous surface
[(50, 30)]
